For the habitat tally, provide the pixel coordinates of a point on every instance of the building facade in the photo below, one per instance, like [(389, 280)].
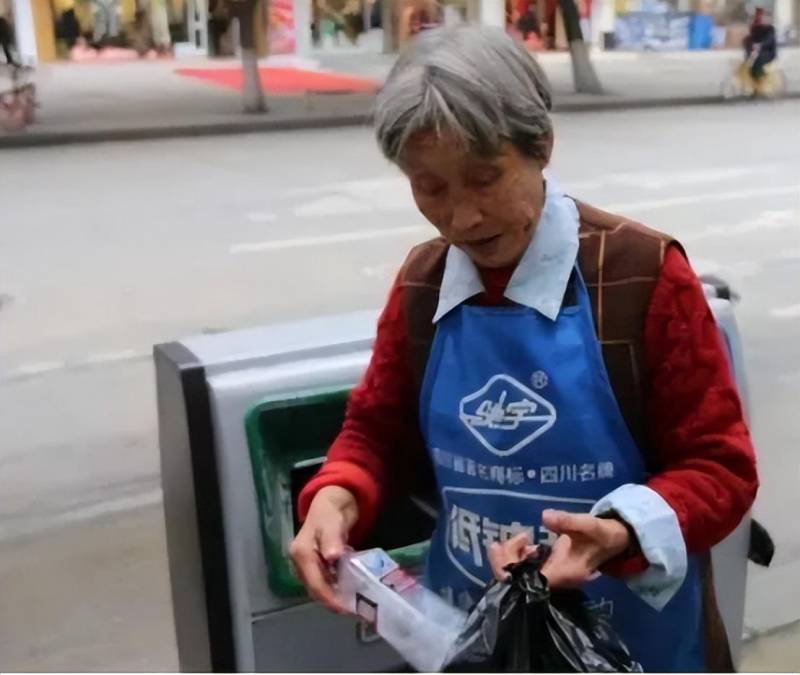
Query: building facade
[(47, 30)]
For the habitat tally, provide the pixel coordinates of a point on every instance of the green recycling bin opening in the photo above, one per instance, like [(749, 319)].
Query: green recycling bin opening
[(288, 439)]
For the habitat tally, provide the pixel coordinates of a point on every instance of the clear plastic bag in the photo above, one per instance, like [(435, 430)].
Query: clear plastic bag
[(414, 620)]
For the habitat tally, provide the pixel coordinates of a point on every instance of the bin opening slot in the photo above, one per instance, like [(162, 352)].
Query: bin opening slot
[(288, 440), (401, 524), (298, 477)]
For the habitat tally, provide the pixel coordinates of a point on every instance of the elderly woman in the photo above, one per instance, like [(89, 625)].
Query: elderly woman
[(551, 371)]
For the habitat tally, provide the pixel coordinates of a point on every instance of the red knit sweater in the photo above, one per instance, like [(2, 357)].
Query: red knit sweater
[(694, 417)]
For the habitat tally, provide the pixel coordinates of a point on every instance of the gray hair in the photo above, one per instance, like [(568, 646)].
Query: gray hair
[(475, 83)]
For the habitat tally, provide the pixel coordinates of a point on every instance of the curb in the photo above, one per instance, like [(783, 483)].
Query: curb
[(32, 140), (754, 635), (27, 140), (652, 103)]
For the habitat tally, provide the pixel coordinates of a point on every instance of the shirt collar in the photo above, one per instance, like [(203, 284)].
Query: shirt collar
[(541, 277)]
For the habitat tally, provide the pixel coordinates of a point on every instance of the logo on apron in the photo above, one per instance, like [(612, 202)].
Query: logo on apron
[(505, 415), (474, 524)]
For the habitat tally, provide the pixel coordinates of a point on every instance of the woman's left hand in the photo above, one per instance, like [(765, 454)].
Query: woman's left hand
[(584, 544)]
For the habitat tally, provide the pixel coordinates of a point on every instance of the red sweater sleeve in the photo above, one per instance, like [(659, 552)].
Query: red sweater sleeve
[(363, 458), (707, 468)]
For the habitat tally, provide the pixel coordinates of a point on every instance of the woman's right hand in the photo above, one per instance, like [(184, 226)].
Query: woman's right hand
[(511, 551), (322, 541)]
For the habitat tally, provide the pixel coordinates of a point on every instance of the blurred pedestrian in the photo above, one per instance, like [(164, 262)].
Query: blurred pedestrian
[(139, 35), (159, 25), (417, 16), (218, 23), (106, 21), (376, 14), (7, 35), (68, 29), (342, 16), (528, 22)]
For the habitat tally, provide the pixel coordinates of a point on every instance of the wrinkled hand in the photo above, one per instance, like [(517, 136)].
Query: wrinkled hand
[(513, 550), (584, 544), (322, 541)]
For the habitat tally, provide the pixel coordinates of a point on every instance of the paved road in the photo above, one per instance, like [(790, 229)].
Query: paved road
[(109, 249)]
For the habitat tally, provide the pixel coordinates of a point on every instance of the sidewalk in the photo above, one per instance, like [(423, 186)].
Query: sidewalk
[(93, 102), (774, 652)]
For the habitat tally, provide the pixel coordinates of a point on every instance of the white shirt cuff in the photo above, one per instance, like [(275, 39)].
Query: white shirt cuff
[(660, 538)]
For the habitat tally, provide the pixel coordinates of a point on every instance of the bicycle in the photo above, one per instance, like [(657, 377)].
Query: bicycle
[(740, 82), (18, 104)]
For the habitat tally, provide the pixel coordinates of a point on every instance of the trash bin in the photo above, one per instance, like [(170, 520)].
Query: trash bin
[(245, 417), (729, 557)]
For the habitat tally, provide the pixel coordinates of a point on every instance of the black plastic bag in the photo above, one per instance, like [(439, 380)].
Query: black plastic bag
[(521, 626), (762, 548)]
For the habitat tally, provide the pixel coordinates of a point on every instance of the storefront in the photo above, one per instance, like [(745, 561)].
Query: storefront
[(49, 30), (669, 25), (130, 29), (32, 22), (537, 22), (540, 23)]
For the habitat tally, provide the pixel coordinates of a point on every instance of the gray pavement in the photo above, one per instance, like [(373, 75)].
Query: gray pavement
[(777, 652), (108, 249), (124, 101)]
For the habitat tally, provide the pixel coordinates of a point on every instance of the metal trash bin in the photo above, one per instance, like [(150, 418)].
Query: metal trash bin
[(237, 605), (729, 557)]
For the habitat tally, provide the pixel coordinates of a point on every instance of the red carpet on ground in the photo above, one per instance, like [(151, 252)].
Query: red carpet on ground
[(285, 81)]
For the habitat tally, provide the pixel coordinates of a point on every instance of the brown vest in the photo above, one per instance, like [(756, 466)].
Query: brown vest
[(620, 262)]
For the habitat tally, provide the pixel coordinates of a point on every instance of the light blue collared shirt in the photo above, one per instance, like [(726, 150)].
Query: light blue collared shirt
[(541, 277), (539, 282)]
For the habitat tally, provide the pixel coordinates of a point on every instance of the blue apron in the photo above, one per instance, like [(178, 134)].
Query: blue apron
[(519, 416)]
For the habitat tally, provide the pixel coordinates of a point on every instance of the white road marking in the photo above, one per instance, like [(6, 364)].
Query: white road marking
[(788, 312), (332, 205), (768, 220), (321, 240), (738, 270), (345, 204), (655, 180), (83, 514), (705, 198), (393, 193), (746, 268), (354, 197), (39, 368), (396, 185), (261, 217), (352, 187), (383, 271), (703, 266), (31, 370), (576, 186), (111, 357)]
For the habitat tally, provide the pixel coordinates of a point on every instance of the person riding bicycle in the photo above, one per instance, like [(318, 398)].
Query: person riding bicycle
[(760, 46)]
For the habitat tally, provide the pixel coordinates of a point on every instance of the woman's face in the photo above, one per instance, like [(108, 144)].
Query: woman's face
[(488, 207)]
